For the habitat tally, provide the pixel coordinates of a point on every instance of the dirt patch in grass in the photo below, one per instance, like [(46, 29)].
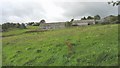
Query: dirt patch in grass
[(31, 31), (9, 35)]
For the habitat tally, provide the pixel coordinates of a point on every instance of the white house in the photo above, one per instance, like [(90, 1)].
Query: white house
[(83, 22), (54, 25)]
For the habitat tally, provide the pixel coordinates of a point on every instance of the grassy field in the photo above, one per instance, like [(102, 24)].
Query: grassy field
[(95, 45)]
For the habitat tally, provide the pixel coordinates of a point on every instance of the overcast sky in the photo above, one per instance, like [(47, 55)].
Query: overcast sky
[(52, 10)]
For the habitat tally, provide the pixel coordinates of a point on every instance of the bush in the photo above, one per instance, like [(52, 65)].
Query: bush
[(96, 22), (68, 24), (30, 23), (22, 26), (36, 24)]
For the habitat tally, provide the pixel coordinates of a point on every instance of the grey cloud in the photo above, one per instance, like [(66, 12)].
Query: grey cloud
[(22, 10), (33, 11), (78, 9)]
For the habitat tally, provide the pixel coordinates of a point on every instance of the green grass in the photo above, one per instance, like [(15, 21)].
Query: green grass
[(95, 45)]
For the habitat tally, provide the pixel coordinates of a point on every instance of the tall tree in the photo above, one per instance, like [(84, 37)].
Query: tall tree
[(42, 21), (84, 18), (72, 20), (97, 17), (89, 17), (114, 3)]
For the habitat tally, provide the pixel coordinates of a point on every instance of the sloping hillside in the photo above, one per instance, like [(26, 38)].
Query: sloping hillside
[(95, 45)]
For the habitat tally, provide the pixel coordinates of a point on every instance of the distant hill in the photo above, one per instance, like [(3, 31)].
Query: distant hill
[(110, 19)]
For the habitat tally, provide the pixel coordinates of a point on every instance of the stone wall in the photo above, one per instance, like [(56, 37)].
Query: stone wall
[(52, 25)]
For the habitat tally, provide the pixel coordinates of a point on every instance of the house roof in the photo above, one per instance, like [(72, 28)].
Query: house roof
[(83, 21)]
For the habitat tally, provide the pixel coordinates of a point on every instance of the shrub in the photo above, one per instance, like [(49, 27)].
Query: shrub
[(68, 24)]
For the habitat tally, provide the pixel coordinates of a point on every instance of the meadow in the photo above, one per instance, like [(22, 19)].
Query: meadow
[(93, 45)]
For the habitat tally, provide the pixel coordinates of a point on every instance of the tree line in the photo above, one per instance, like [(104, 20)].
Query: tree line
[(96, 17), (8, 25)]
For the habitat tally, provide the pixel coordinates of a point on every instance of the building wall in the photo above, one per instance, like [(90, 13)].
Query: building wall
[(52, 25), (83, 22), (59, 25)]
